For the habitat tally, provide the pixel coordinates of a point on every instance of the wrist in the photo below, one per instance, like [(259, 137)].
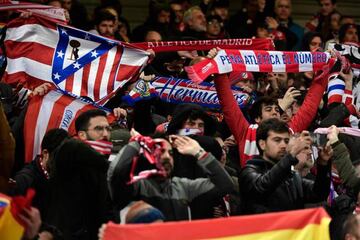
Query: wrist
[(348, 86), (333, 140), (200, 154)]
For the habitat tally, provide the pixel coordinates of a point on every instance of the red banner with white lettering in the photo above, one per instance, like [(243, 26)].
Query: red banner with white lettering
[(241, 43)]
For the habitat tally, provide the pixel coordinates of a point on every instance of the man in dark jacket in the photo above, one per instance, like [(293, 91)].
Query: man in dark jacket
[(78, 190), (171, 195), (36, 174), (267, 182)]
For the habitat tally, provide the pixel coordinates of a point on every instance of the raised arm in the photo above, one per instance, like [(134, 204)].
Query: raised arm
[(342, 160), (304, 117)]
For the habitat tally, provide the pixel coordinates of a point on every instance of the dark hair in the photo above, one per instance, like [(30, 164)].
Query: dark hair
[(256, 108), (53, 138), (155, 9), (214, 17), (350, 225), (186, 111), (82, 121), (332, 1), (307, 40), (104, 15), (272, 124), (344, 28), (220, 4)]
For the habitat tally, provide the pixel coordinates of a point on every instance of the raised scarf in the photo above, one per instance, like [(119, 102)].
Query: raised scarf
[(257, 61), (177, 90)]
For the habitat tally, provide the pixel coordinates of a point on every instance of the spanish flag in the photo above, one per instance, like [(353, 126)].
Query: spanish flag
[(291, 225), (11, 227)]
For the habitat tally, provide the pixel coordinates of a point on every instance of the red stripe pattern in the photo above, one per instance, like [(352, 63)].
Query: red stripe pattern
[(53, 110), (257, 61), (42, 51)]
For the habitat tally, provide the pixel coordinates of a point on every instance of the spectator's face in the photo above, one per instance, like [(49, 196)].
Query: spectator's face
[(198, 21), (274, 147), (152, 36), (98, 129), (282, 80), (347, 20), (351, 35), (335, 21), (213, 27), (223, 12), (66, 4), (262, 32), (315, 44), (283, 9), (122, 28), (106, 28), (55, 3), (178, 11), (195, 124), (166, 158), (269, 111), (163, 17), (326, 7)]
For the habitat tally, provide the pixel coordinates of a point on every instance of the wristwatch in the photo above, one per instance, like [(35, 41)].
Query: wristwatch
[(200, 153)]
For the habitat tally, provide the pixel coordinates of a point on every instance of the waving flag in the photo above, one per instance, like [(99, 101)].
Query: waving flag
[(45, 11), (351, 51), (11, 226), (76, 61), (295, 225), (53, 110)]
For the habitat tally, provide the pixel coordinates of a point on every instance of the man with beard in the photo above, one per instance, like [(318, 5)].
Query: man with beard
[(171, 195), (195, 23), (268, 183)]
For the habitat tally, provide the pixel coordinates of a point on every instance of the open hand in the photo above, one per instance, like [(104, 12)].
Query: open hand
[(185, 145)]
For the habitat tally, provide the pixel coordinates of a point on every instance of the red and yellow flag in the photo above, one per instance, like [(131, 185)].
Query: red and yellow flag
[(10, 228), (295, 225)]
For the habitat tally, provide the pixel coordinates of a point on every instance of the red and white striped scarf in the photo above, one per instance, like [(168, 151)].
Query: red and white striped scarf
[(101, 146), (257, 61)]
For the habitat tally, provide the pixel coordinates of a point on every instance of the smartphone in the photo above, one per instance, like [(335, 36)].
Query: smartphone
[(319, 140)]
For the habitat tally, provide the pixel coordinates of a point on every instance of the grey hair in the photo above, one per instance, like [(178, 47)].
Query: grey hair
[(189, 12)]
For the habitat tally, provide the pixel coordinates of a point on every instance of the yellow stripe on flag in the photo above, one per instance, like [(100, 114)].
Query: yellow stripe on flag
[(305, 224), (312, 231), (10, 229)]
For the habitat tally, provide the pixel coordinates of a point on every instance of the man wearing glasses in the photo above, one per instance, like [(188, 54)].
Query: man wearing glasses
[(93, 125)]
